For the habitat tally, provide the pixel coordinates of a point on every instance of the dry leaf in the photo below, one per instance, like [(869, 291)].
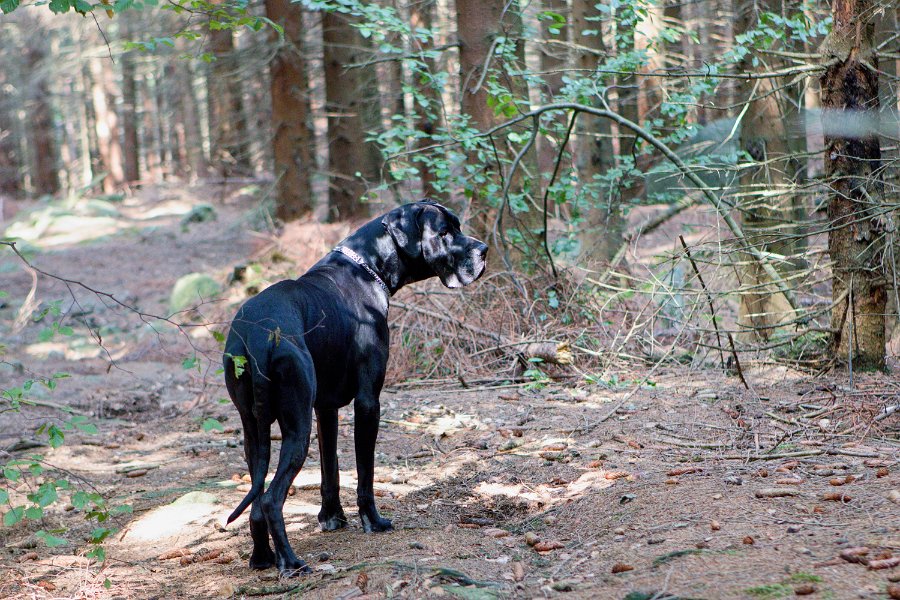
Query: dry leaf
[(621, 568), (748, 540), (789, 481), (613, 475), (882, 472), (518, 571), (28, 556), (893, 592)]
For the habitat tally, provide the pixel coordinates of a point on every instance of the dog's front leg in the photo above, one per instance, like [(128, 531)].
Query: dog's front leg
[(367, 415), (331, 516)]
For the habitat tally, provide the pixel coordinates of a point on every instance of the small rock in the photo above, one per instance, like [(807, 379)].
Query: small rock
[(531, 538), (417, 545), (733, 480), (715, 525), (894, 496), (655, 540), (793, 528), (805, 590), (717, 496), (323, 556), (325, 568), (619, 531), (893, 592)]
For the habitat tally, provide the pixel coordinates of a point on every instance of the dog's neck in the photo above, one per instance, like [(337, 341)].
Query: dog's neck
[(375, 246)]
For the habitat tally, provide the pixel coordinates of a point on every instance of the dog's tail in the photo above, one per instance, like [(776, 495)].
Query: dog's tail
[(258, 469), (258, 440)]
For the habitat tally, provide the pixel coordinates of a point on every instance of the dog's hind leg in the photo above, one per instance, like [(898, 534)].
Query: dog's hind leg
[(294, 393), (331, 516)]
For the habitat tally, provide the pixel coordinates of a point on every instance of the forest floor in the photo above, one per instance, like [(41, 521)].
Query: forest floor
[(694, 487)]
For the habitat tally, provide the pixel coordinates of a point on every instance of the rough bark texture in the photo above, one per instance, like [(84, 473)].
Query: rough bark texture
[(354, 110), (478, 23), (293, 141), (602, 234), (187, 122), (10, 163), (132, 150), (106, 121), (856, 241), (770, 208), (554, 61), (229, 147), (45, 175)]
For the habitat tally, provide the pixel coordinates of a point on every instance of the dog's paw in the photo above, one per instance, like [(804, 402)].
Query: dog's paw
[(260, 561), (375, 523), (332, 522)]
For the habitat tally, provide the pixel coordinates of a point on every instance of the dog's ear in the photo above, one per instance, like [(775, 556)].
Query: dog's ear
[(404, 224)]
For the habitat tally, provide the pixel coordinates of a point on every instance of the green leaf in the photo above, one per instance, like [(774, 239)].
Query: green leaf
[(13, 516), (4, 496), (218, 336), (51, 540), (55, 436), (34, 512), (7, 6), (107, 583), (12, 473), (46, 494), (212, 424), (60, 6)]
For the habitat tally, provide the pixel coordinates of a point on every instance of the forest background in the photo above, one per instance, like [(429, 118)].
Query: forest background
[(702, 189)]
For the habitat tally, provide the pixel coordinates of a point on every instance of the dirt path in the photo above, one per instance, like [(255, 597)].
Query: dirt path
[(504, 492)]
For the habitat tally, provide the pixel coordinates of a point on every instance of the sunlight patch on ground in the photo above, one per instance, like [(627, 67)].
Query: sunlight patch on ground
[(588, 482)]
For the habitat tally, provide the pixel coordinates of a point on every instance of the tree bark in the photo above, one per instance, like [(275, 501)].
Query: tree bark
[(45, 173), (427, 117), (10, 162), (354, 110), (856, 240), (602, 234), (293, 140), (132, 151), (109, 144), (770, 210), (229, 152)]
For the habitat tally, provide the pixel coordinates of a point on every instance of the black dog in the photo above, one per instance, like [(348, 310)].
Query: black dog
[(320, 341)]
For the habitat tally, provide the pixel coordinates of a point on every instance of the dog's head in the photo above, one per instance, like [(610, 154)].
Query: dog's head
[(427, 233)]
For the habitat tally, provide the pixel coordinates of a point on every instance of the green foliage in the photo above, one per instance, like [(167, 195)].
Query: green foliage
[(32, 472)]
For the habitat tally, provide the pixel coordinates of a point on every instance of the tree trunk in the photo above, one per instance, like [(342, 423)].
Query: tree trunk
[(354, 111), (856, 240), (151, 142), (229, 151), (132, 151), (45, 173), (293, 140), (187, 121), (602, 234), (109, 145), (10, 162), (427, 117), (769, 208), (554, 63)]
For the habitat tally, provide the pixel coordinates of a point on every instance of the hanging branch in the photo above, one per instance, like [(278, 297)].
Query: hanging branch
[(721, 207)]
